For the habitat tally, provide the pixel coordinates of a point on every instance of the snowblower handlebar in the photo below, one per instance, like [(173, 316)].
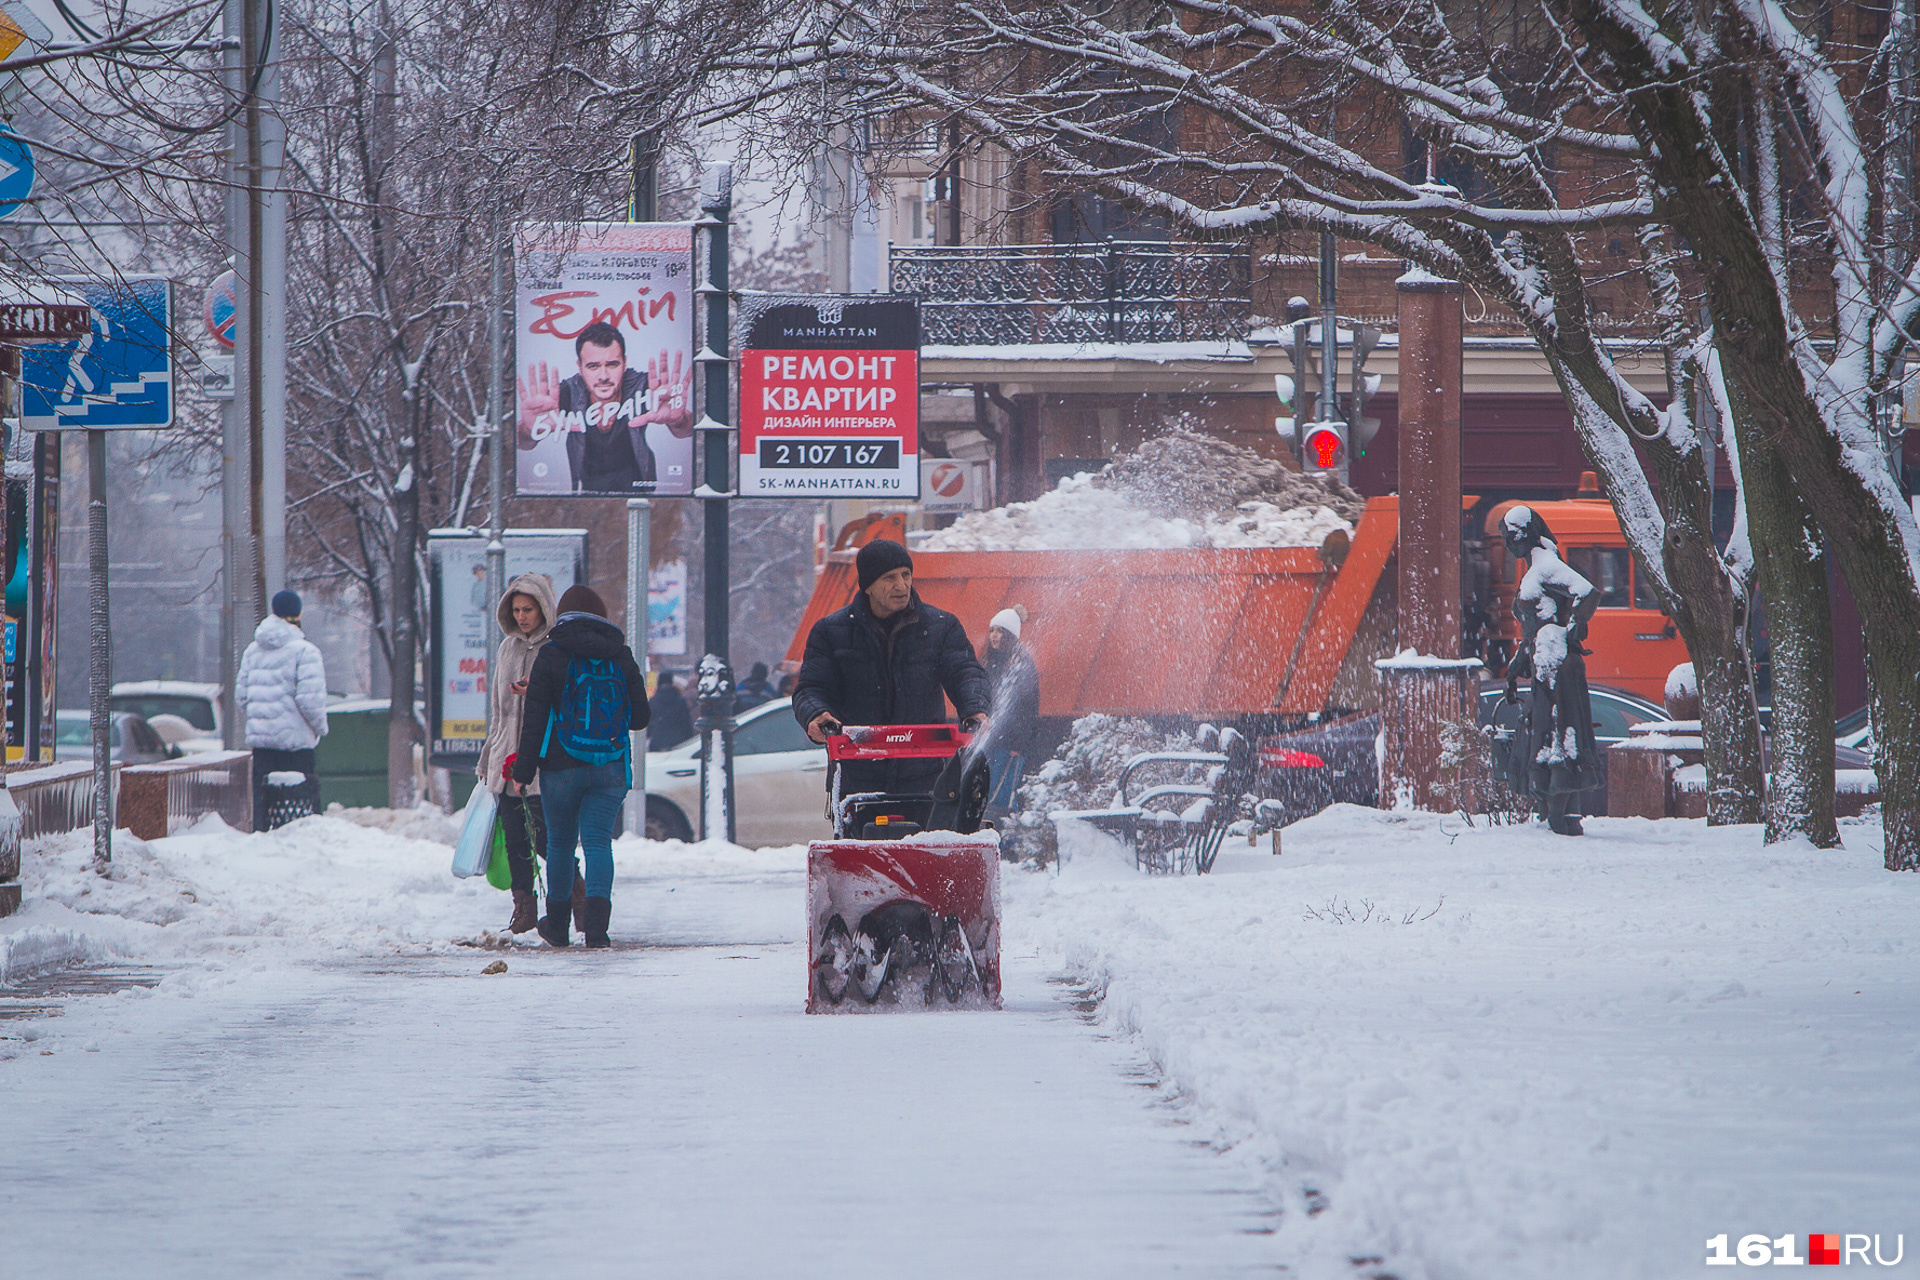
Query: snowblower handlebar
[(897, 742)]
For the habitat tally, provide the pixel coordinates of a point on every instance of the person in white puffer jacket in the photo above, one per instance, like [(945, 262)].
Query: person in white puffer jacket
[(282, 691)]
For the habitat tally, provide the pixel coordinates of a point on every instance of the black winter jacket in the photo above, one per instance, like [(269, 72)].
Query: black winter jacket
[(582, 635), (866, 673)]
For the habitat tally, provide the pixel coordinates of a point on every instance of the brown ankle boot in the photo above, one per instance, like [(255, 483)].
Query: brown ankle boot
[(580, 903), (525, 913)]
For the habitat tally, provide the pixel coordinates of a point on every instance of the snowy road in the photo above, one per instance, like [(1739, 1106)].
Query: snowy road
[(661, 1110)]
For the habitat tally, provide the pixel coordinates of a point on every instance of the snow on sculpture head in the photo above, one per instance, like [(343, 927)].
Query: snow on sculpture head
[(1522, 529)]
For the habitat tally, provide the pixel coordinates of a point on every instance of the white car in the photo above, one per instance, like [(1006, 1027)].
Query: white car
[(165, 704), (779, 774)]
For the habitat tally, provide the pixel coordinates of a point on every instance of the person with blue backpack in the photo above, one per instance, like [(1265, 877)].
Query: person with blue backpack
[(585, 694)]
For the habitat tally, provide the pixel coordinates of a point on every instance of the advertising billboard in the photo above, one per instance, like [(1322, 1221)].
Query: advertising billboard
[(830, 397), (603, 347), (667, 609), (464, 630)]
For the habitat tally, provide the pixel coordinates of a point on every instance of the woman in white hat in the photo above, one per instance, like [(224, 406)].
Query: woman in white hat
[(1015, 681)]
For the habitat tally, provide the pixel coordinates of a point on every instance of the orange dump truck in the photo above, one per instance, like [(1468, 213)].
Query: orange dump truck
[(1279, 635)]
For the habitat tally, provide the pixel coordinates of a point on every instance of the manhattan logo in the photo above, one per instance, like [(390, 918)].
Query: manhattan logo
[(1830, 1250)]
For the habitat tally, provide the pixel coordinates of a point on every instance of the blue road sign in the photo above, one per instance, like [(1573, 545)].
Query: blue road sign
[(16, 171), (119, 377)]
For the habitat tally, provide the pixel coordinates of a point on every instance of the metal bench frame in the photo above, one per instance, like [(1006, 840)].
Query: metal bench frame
[(1186, 842)]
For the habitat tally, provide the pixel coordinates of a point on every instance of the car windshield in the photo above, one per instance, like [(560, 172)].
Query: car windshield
[(73, 729), (197, 712)]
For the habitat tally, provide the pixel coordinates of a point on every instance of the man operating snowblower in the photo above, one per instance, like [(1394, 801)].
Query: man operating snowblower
[(887, 659)]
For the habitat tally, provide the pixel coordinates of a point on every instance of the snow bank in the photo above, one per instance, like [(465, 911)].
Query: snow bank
[(1181, 490), (1473, 1052), (345, 883)]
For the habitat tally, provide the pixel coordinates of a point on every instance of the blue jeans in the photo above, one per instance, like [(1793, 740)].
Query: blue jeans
[(581, 806)]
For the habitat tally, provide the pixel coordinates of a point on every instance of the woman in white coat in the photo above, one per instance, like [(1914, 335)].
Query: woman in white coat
[(282, 691), (525, 613)]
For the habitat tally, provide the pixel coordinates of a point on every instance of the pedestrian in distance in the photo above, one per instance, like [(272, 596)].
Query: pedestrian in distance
[(888, 658), (754, 690), (672, 721), (1556, 754), (585, 696), (525, 613), (282, 691), (1015, 681)]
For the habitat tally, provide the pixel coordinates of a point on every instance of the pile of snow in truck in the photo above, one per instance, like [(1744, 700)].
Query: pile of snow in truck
[(1180, 490)]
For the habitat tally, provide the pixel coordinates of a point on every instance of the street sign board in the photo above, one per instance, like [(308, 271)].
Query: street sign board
[(44, 321), (118, 375), (950, 485), (830, 396), (221, 307), (16, 171)]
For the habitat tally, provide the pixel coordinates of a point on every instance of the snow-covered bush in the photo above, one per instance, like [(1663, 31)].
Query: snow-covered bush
[(1085, 774)]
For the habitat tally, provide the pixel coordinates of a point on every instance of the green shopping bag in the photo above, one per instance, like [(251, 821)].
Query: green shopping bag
[(498, 874)]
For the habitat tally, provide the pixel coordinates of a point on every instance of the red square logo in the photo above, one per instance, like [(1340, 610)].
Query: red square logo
[(1823, 1251)]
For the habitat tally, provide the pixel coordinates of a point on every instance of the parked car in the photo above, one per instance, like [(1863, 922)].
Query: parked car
[(1338, 761), (779, 778), (132, 741), (1309, 769), (1855, 730), (198, 705)]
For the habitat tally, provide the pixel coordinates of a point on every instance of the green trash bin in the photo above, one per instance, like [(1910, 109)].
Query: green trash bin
[(351, 761)]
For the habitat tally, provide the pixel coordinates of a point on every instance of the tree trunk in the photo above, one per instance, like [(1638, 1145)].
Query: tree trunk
[(1761, 347), (1792, 573)]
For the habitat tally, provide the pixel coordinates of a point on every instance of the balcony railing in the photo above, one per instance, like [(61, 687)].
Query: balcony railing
[(1108, 291)]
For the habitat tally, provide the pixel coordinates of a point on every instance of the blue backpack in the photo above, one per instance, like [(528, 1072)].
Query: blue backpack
[(590, 720)]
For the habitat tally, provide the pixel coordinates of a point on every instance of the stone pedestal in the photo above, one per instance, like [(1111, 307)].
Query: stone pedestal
[(1418, 697)]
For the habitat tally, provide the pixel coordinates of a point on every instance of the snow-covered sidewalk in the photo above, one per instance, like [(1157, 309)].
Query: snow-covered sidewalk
[(1405, 1048), (327, 1085)]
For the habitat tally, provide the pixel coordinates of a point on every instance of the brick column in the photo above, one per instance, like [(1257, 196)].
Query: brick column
[(1429, 683), (1430, 372)]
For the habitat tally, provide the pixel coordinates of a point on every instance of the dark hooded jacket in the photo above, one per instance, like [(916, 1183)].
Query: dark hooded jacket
[(574, 635), (899, 671), (1016, 696), (672, 719)]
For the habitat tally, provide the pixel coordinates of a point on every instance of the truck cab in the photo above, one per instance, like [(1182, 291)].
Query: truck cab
[(1634, 645)]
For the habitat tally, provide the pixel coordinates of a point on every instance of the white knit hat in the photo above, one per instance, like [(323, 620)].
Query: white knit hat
[(1008, 621)]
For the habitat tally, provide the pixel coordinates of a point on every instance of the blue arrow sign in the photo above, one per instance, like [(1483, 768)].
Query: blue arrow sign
[(16, 171), (120, 376)]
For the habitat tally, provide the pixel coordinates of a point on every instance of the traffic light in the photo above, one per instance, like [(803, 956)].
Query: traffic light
[(1324, 448)]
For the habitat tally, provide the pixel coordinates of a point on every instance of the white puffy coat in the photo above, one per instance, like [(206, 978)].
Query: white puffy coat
[(282, 688)]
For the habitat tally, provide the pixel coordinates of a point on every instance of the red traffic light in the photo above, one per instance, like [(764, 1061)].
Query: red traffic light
[(1325, 447)]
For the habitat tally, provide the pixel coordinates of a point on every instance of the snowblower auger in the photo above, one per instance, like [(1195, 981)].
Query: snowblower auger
[(917, 874)]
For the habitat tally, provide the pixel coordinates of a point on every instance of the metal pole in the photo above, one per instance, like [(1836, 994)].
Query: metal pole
[(639, 557), (1329, 333), (716, 677), (99, 651), (496, 453), (271, 202), (233, 467), (250, 328)]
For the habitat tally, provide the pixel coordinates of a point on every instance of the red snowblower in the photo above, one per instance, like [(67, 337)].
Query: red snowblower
[(903, 904)]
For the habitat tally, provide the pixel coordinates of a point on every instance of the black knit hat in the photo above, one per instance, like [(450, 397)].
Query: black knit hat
[(878, 559)]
